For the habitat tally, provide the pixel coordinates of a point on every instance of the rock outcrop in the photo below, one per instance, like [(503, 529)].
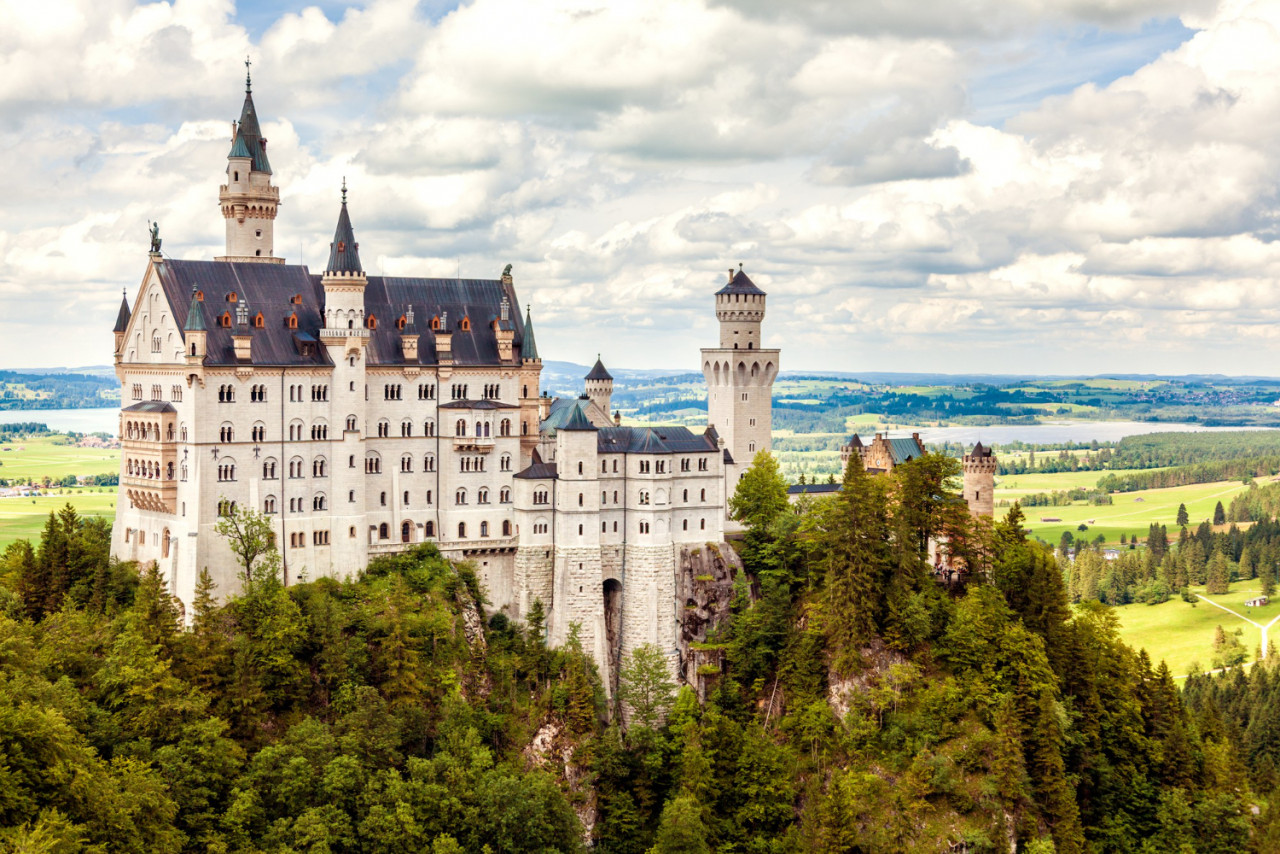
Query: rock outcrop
[(704, 584)]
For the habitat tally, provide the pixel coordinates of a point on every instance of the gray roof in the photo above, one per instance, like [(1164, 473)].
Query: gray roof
[(538, 471), (653, 440), (344, 252), (598, 372), (150, 406), (528, 346), (810, 488), (740, 284), (195, 314), (249, 141), (272, 288), (122, 319), (477, 404), (980, 451)]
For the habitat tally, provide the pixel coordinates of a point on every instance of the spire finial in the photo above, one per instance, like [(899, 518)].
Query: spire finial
[(344, 189), (248, 79)]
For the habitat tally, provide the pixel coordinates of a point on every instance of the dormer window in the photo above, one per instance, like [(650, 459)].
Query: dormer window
[(342, 246), (258, 321), (225, 320), (435, 323), (296, 299), (372, 322), (400, 323), (231, 297), (466, 324), (199, 296), (291, 321)]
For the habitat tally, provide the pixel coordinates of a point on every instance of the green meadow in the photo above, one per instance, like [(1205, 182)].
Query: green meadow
[(43, 456), (23, 518), (1182, 634)]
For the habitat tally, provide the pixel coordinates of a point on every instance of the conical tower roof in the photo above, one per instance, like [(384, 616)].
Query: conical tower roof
[(195, 315), (249, 142), (740, 284), (122, 319), (528, 346), (598, 372), (578, 420), (344, 252)]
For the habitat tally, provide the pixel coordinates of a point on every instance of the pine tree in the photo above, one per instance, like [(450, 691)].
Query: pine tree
[(1219, 515), (1183, 517), (1218, 575)]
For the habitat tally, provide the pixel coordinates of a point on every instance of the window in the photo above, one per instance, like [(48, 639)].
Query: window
[(259, 322), (644, 527), (384, 429), (176, 394), (685, 496), (684, 465), (644, 467), (482, 495), (426, 391), (383, 531), (372, 322), (484, 529), (351, 496), (504, 495), (406, 428), (460, 429), (644, 497), (269, 470), (406, 463), (460, 497), (580, 497), (225, 320), (604, 498), (462, 530), (702, 496), (506, 527), (269, 505), (351, 423), (504, 463), (406, 498), (429, 529), (540, 497), (156, 394), (685, 525), (429, 428), (615, 466), (579, 472), (391, 392), (406, 531), (703, 524), (226, 471), (702, 464), (504, 429), (615, 496), (352, 529), (429, 462), (318, 467), (373, 464), (295, 467), (226, 508), (319, 392), (226, 433), (430, 497), (320, 538), (226, 393), (259, 432), (382, 499)]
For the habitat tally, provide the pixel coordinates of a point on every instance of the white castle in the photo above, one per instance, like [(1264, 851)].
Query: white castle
[(365, 414)]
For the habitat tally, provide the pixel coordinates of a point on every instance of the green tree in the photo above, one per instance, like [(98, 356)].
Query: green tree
[(1219, 514), (251, 537), (645, 686), (1218, 574), (1183, 517), (761, 494), (682, 830)]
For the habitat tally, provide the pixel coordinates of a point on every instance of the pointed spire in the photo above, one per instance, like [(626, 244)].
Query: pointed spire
[(249, 142), (195, 314), (578, 420), (344, 255), (598, 372), (122, 319), (528, 346)]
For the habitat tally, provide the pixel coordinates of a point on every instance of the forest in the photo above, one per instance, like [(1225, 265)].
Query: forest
[(56, 391), (864, 704)]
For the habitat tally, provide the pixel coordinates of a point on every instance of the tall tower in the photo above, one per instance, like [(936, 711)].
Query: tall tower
[(739, 376), (248, 199), (980, 481), (599, 386)]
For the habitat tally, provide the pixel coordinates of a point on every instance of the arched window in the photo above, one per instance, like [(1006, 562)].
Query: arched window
[(482, 496), (504, 496), (351, 423), (504, 429), (269, 504), (318, 502), (462, 530), (383, 531), (461, 427), (406, 463), (406, 529), (429, 529), (318, 467), (429, 462), (484, 529), (269, 470), (429, 428), (460, 497)]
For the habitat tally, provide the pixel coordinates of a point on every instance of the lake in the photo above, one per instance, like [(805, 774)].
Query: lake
[(1057, 432), (100, 420)]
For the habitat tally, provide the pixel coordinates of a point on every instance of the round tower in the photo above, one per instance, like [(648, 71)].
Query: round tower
[(599, 386), (248, 199), (980, 481), (740, 310)]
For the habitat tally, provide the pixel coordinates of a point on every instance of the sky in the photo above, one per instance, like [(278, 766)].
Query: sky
[(1006, 186)]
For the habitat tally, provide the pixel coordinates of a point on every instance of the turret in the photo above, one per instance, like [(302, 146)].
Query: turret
[(195, 331), (529, 346), (122, 325), (980, 480), (740, 310), (248, 199), (599, 385), (344, 283), (408, 336)]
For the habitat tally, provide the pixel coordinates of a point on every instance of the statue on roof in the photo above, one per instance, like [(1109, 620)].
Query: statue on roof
[(155, 237), (506, 271)]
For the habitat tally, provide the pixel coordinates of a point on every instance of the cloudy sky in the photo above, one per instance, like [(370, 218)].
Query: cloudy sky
[(1065, 186)]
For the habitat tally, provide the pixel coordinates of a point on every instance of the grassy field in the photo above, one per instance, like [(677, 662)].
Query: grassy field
[(1182, 634), (1130, 513), (37, 458), (43, 457), (23, 518)]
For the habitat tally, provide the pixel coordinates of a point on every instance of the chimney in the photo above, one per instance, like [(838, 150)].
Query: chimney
[(444, 341)]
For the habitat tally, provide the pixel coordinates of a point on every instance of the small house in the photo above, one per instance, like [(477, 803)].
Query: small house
[(1256, 602)]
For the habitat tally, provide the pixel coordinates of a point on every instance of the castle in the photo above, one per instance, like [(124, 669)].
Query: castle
[(363, 414)]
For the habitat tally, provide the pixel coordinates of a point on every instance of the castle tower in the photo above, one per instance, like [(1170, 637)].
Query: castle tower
[(599, 383), (980, 481), (248, 199), (739, 376), (530, 376), (122, 326)]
